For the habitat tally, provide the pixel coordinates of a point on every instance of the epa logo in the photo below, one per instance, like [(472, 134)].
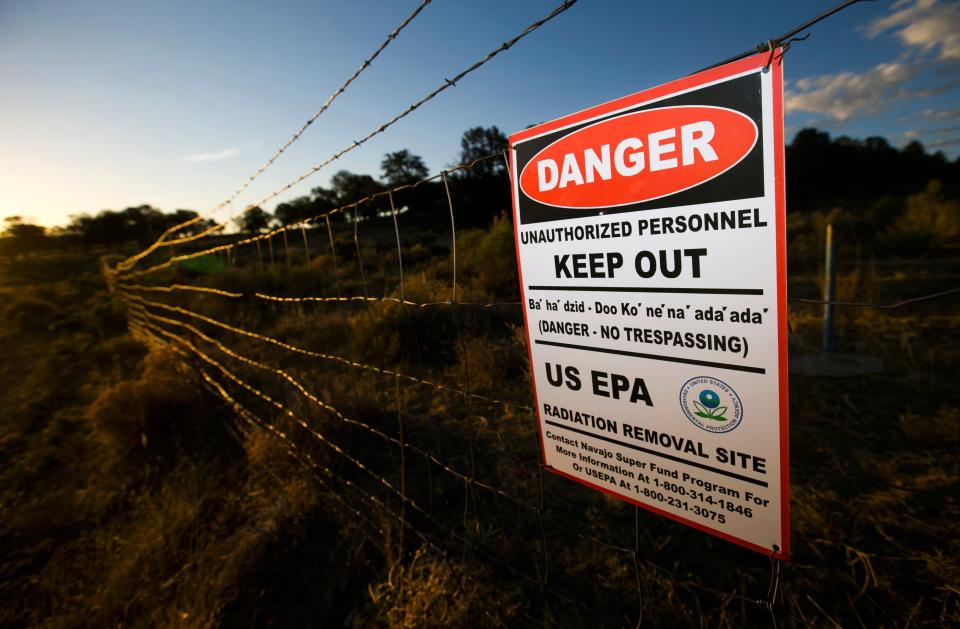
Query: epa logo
[(711, 404)]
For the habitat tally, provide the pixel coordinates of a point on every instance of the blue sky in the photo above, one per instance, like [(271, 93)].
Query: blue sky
[(107, 104)]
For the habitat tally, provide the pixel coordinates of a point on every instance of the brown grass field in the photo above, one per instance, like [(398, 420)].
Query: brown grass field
[(134, 494)]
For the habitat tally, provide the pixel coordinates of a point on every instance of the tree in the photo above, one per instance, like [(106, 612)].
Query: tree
[(810, 139), (825, 172), (20, 237), (254, 220), (319, 201), (294, 211), (350, 188), (141, 223), (878, 144), (16, 228), (914, 150), (402, 167), (479, 142), (928, 221)]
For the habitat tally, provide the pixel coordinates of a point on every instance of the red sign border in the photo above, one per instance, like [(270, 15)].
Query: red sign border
[(755, 62)]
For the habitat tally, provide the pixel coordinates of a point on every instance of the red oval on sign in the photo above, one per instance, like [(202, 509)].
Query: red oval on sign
[(639, 157)]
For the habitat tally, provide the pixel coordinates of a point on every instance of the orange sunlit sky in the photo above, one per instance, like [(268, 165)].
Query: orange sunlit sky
[(108, 104)]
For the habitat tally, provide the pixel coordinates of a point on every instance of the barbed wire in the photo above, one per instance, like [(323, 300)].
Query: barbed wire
[(304, 458), (286, 411), (326, 105), (371, 299), (280, 151), (304, 223), (446, 467), (162, 242), (865, 304), (330, 357), (470, 480), (566, 4), (308, 299), (448, 83), (300, 388), (183, 287), (297, 385), (784, 40), (378, 479), (516, 304), (148, 326)]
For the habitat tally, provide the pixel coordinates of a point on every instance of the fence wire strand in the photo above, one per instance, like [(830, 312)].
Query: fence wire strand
[(326, 105), (161, 242), (448, 83), (386, 125), (514, 304), (330, 357), (301, 225)]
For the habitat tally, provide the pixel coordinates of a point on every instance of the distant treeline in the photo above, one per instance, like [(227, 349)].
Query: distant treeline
[(822, 173)]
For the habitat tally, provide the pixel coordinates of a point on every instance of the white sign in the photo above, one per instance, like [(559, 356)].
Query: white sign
[(651, 243)]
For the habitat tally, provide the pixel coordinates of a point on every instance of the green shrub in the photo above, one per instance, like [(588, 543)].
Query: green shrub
[(928, 221), (488, 260)]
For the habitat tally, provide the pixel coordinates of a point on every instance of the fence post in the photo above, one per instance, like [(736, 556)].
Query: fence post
[(829, 290)]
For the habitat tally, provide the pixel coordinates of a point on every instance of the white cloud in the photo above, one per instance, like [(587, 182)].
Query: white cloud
[(924, 24), (944, 143), (842, 95), (930, 33), (935, 138), (941, 115), (214, 156)]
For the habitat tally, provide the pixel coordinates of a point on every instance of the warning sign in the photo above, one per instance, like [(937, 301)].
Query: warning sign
[(651, 242)]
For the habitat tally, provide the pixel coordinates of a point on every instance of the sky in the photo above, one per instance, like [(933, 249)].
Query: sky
[(110, 104)]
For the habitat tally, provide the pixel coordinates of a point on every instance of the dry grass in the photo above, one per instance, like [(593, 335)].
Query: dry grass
[(135, 497), (430, 590)]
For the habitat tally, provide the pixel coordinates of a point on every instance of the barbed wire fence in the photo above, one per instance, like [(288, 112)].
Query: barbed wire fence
[(399, 382), (293, 414)]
